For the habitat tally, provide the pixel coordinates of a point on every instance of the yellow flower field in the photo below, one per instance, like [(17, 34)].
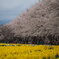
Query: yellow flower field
[(24, 51)]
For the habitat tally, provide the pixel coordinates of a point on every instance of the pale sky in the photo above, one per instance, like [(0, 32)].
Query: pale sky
[(8, 4), (10, 9)]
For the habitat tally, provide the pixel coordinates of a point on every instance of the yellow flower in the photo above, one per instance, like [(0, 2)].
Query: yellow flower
[(24, 51)]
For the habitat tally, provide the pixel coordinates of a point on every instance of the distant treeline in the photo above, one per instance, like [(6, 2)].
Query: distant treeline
[(49, 40)]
